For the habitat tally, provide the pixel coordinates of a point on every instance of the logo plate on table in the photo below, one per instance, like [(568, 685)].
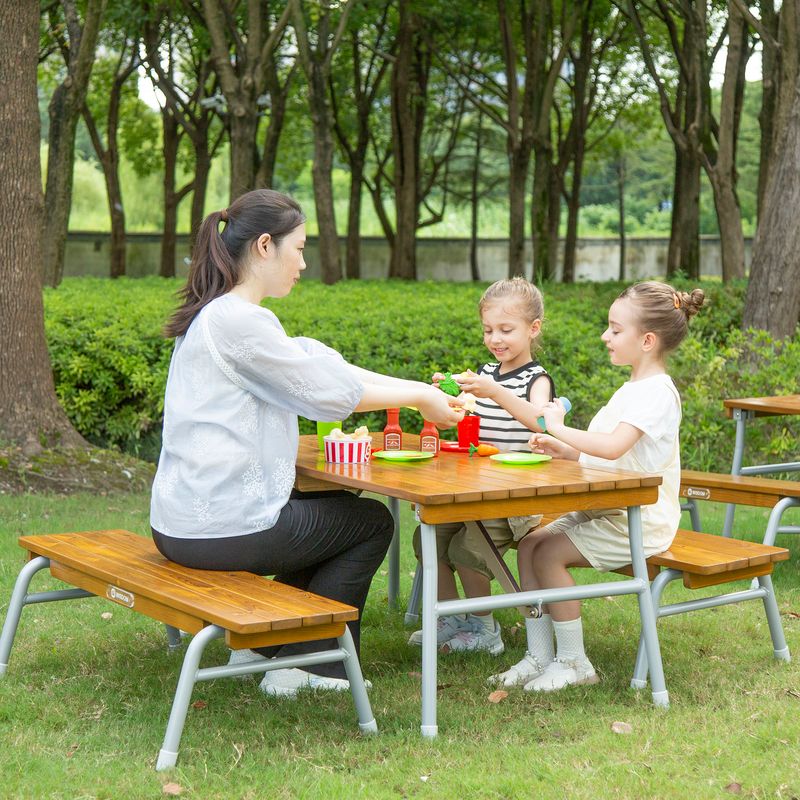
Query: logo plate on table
[(120, 596), (701, 494)]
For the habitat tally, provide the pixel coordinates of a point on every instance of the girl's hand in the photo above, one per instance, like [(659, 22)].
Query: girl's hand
[(439, 408), (479, 385), (553, 413), (550, 446), (435, 378)]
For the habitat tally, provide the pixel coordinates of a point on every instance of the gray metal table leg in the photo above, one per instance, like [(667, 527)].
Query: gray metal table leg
[(430, 616), (366, 719), (639, 680), (15, 606), (394, 554), (412, 610), (168, 754), (741, 418), (173, 637), (646, 610)]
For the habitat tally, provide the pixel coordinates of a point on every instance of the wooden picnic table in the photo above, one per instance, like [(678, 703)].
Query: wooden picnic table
[(455, 488)]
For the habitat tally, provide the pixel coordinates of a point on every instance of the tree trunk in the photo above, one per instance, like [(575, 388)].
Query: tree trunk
[(621, 207), (773, 292), (169, 236), (729, 217), (244, 124), (64, 110), (353, 248), (322, 178), (473, 205), (683, 254), (766, 116), (541, 213), (517, 185), (405, 95), (29, 409), (202, 167)]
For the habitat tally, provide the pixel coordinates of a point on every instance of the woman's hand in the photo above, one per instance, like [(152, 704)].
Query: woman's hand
[(479, 385), (439, 408), (550, 446)]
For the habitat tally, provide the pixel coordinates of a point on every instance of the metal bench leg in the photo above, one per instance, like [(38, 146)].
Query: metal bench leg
[(173, 638), (639, 680), (694, 515), (412, 611), (779, 645), (15, 606), (168, 754), (366, 719), (775, 515), (741, 418)]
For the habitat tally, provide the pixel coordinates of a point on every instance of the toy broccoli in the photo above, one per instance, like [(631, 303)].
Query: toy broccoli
[(449, 385)]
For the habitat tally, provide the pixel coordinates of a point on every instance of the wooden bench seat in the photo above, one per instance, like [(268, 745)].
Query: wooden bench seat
[(246, 609), (746, 490)]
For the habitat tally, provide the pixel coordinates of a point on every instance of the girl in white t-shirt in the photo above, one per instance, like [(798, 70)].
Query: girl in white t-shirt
[(637, 430)]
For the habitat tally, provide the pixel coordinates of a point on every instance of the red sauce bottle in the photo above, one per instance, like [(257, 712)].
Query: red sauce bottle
[(429, 438), (392, 433)]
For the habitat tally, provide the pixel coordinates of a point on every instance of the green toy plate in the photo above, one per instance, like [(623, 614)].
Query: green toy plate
[(520, 458), (403, 455)]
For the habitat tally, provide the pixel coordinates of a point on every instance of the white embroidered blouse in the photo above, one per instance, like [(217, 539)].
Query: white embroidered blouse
[(235, 388)]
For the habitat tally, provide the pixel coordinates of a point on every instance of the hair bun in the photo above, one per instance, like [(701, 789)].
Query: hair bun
[(692, 302)]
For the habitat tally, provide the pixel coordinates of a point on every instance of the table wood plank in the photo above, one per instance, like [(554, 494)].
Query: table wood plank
[(764, 406)]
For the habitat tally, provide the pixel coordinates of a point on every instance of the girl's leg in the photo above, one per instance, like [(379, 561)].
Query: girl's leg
[(552, 558), (538, 630)]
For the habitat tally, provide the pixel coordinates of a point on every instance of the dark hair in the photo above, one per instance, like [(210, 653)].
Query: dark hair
[(664, 311), (219, 258)]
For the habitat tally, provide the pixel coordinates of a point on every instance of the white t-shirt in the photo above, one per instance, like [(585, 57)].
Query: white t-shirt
[(235, 388), (652, 405)]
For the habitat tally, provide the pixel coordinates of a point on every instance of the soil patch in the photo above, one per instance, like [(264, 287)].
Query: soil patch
[(72, 470)]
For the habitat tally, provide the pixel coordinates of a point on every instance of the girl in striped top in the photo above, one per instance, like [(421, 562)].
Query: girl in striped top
[(511, 392)]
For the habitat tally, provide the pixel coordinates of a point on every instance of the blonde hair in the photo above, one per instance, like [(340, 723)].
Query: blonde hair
[(664, 311), (521, 292)]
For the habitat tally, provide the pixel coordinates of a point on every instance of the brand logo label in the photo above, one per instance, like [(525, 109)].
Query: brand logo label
[(702, 494), (120, 596)]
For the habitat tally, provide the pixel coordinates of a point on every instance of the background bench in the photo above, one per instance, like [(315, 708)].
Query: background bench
[(246, 609), (746, 490)]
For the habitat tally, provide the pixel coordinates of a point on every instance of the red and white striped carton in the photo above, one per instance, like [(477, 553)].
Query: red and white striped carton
[(347, 451)]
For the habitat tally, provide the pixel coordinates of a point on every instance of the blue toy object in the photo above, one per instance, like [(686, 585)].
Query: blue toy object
[(567, 407)]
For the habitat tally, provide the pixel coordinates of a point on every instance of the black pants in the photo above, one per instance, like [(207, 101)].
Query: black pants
[(328, 543)]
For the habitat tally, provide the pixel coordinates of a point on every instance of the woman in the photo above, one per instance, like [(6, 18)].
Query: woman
[(223, 497)]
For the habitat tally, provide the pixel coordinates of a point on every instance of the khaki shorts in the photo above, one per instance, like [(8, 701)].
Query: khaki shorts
[(458, 543)]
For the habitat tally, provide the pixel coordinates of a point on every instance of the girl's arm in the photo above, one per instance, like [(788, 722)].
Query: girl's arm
[(600, 445), (525, 411)]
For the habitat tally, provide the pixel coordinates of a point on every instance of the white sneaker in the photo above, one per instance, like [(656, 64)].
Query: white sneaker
[(521, 673), (561, 673), (446, 629), (288, 682), (244, 657), (477, 638)]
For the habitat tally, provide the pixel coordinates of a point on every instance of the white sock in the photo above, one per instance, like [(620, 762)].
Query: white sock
[(569, 640), (539, 633), (487, 620)]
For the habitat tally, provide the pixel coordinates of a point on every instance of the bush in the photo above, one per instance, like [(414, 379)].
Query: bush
[(110, 361)]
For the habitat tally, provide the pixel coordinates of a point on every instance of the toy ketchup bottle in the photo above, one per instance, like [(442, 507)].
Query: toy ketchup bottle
[(429, 438), (392, 433)]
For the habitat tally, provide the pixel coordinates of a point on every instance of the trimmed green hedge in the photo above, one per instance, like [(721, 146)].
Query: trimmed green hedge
[(110, 361)]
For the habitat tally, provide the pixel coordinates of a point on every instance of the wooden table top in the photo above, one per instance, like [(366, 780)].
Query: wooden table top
[(456, 487), (765, 406)]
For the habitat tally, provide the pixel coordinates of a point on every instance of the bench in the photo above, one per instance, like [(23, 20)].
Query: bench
[(246, 609), (701, 560), (747, 490)]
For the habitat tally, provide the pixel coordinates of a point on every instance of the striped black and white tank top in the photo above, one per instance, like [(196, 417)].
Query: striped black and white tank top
[(498, 427)]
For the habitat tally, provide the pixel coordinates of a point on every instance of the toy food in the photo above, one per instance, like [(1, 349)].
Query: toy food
[(356, 435), (449, 385), (483, 450)]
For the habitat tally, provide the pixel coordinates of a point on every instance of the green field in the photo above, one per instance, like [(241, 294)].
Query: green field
[(85, 702)]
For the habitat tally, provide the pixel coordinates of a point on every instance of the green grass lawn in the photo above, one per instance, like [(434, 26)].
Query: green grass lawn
[(84, 704)]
